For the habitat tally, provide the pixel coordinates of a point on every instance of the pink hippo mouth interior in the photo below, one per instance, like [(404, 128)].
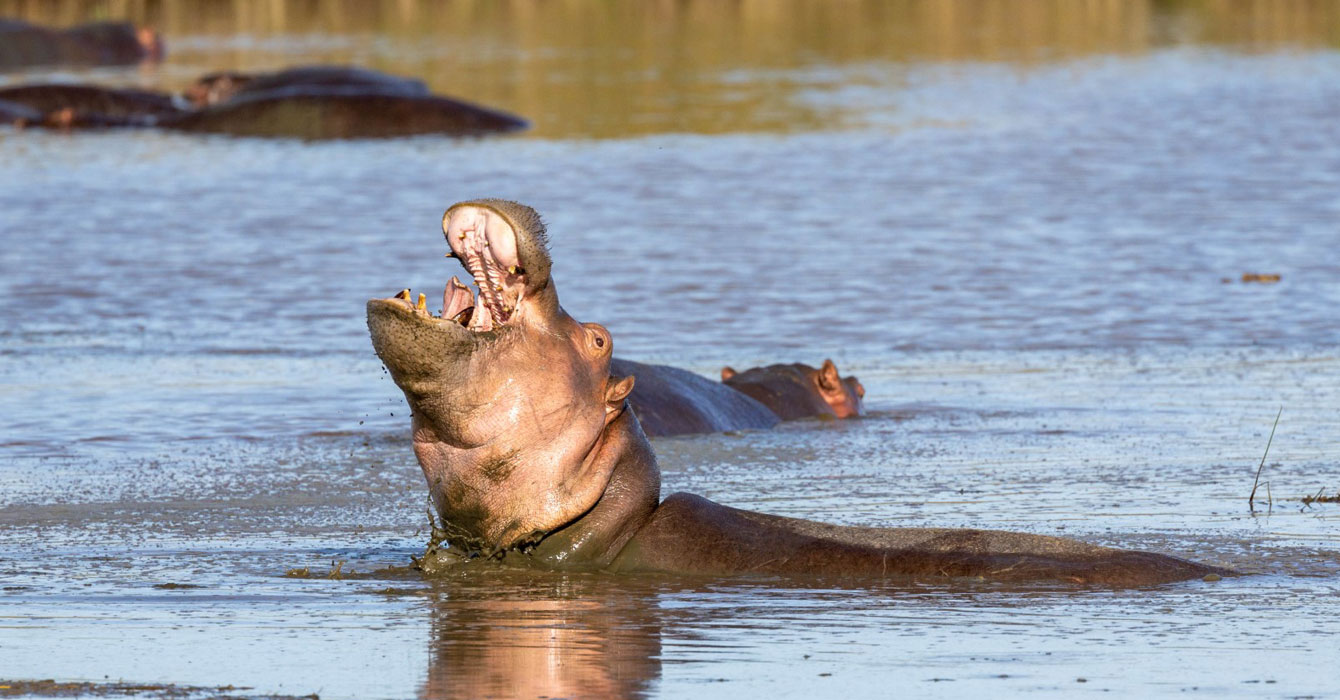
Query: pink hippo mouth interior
[(486, 245)]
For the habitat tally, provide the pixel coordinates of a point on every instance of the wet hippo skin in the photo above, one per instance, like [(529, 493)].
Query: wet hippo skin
[(533, 458), (24, 45), (673, 401)]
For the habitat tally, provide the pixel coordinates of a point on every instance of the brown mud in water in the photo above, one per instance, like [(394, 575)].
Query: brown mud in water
[(1010, 220)]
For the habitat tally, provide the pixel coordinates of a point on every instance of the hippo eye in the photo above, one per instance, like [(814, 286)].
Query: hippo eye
[(598, 337)]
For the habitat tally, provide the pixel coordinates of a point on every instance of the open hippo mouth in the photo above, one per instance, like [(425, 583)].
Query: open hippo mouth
[(487, 245)]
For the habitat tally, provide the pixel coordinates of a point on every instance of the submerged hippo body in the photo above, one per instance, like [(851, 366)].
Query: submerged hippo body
[(798, 390), (221, 87), (673, 401), (344, 112), (24, 45), (91, 105), (533, 458)]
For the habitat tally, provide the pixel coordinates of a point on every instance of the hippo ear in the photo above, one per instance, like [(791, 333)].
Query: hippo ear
[(828, 376), (727, 373), (616, 390)]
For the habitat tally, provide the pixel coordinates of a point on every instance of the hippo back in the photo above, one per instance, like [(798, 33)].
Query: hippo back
[(344, 112), (672, 401), (350, 77)]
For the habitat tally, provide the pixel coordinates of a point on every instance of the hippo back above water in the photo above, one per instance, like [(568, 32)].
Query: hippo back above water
[(308, 102), (315, 112), (673, 401), (220, 87)]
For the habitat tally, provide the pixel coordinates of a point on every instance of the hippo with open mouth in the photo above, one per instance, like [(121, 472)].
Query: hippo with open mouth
[(533, 459)]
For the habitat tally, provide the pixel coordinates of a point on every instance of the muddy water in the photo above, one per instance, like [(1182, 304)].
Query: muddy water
[(1015, 229)]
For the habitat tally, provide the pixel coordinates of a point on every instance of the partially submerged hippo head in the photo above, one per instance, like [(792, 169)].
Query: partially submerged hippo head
[(799, 390), (510, 395)]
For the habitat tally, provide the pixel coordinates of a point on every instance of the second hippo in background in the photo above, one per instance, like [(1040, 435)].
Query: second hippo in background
[(331, 102), (799, 391), (673, 401)]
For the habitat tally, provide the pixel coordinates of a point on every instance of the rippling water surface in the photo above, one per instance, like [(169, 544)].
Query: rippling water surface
[(1026, 237)]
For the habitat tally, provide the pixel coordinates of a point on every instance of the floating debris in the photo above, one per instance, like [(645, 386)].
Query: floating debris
[(1318, 497)]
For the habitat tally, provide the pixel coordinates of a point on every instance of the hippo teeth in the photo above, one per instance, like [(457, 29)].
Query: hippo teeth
[(486, 245), (481, 319)]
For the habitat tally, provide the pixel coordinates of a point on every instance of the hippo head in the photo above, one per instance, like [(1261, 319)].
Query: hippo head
[(510, 395), (798, 390)]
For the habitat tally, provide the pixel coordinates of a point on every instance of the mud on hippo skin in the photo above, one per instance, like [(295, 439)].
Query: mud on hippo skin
[(794, 391), (533, 458)]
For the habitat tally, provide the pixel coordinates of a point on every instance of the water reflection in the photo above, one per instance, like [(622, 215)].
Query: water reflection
[(608, 70), (542, 635)]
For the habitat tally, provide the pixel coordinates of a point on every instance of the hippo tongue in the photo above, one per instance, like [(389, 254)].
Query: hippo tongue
[(456, 298)]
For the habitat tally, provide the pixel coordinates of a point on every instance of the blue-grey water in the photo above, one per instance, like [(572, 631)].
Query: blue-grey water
[(1035, 269)]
